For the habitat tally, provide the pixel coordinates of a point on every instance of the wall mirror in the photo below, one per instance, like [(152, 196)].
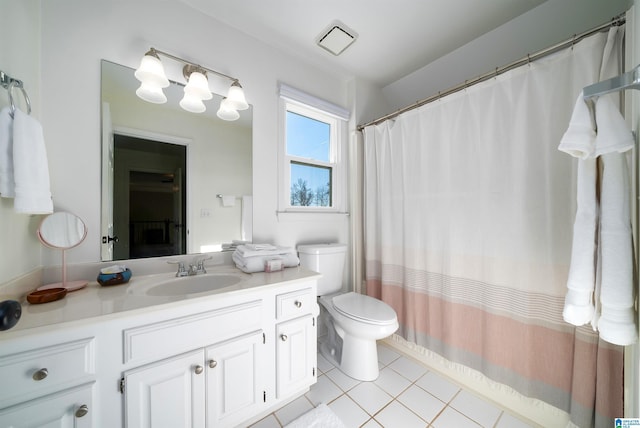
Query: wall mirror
[(173, 182)]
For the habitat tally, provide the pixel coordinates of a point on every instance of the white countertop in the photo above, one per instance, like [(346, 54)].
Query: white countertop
[(95, 300)]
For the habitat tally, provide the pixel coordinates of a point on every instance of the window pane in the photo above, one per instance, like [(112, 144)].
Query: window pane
[(307, 138), (310, 185)]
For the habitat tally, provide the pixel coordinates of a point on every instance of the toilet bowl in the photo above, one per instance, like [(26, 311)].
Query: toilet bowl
[(354, 322)]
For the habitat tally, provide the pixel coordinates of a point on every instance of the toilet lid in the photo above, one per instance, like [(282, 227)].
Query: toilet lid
[(365, 308)]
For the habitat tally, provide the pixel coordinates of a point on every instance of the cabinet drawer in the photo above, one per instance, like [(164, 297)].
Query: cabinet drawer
[(295, 303), (171, 337), (45, 370)]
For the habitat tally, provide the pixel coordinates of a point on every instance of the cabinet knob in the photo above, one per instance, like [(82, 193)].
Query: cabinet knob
[(82, 410), (298, 304), (283, 337), (40, 374), (198, 369), (213, 364)]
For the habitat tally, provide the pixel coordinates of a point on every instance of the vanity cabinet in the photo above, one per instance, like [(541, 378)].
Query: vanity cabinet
[(295, 341), (50, 386)]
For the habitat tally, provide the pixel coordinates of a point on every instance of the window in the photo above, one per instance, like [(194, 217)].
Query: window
[(312, 173)]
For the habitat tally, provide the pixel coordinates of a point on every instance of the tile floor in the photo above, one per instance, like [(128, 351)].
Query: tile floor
[(405, 395)]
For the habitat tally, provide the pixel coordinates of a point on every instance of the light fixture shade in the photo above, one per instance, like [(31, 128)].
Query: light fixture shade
[(151, 71), (226, 111), (198, 86), (151, 93), (236, 98), (192, 103)]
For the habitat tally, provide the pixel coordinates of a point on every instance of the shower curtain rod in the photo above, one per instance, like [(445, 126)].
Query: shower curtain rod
[(619, 20)]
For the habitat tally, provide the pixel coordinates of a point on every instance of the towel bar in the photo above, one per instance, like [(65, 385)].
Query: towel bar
[(9, 83)]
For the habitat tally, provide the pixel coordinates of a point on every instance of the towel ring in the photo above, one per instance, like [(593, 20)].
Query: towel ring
[(18, 84)]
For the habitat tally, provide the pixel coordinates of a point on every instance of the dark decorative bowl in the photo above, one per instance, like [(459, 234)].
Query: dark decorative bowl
[(45, 296), (106, 279)]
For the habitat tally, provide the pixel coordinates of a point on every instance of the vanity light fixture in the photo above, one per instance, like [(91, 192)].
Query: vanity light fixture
[(152, 79)]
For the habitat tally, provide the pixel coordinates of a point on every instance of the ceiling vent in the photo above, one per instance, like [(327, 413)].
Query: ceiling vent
[(336, 38)]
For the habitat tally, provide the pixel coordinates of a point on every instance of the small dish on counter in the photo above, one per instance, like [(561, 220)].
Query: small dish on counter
[(106, 279), (45, 296)]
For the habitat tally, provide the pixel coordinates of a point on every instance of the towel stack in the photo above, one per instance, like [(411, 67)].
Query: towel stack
[(24, 170), (600, 283), (251, 258)]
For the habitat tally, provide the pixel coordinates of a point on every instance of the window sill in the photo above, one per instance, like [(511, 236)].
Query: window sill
[(310, 215)]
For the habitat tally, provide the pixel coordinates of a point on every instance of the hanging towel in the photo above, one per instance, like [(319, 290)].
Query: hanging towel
[(7, 185), (579, 139), (30, 167), (579, 305), (613, 134)]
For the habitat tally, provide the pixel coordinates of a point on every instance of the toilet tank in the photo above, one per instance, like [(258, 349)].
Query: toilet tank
[(328, 259)]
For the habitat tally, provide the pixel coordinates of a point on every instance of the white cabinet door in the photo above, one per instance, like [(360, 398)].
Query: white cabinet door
[(235, 381), (170, 393), (72, 408), (295, 355)]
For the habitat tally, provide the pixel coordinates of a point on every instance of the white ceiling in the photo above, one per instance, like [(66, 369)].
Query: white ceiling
[(396, 37)]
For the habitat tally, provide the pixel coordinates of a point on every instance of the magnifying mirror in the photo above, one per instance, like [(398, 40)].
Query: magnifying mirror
[(62, 231)]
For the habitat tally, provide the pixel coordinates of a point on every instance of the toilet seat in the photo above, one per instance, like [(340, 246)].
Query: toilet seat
[(364, 308)]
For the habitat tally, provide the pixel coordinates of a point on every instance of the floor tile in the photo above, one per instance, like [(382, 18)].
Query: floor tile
[(508, 421), (387, 355), (342, 380), (408, 368), (324, 365), (421, 403), (438, 386), (372, 424), (452, 418), (395, 415), (293, 410), (324, 391), (268, 422), (392, 382), (351, 415), (370, 397), (484, 413)]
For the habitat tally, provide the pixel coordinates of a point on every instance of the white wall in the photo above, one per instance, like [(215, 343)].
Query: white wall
[(550, 23), (20, 58), (77, 34)]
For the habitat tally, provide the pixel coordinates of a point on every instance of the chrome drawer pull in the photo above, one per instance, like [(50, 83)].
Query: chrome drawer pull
[(213, 364), (298, 304), (40, 374), (198, 369), (82, 410), (283, 337)]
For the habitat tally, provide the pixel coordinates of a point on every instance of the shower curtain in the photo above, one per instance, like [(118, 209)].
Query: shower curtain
[(469, 210)]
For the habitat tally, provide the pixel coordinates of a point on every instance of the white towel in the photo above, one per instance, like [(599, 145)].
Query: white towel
[(320, 417), (250, 250), (579, 139), (256, 263), (579, 305), (613, 134), (7, 185), (30, 167), (617, 320)]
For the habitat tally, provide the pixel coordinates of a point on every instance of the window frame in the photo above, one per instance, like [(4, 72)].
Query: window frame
[(325, 112)]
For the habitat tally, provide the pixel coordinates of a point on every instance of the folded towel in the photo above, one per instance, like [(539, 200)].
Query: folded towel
[(256, 263), (7, 185), (30, 167), (579, 305), (617, 320), (579, 139), (250, 250), (613, 133)]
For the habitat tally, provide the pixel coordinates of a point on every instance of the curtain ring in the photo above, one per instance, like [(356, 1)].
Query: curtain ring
[(529, 60), (573, 41), (18, 84)]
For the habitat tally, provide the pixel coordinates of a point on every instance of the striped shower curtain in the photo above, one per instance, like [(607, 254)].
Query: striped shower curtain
[(469, 210)]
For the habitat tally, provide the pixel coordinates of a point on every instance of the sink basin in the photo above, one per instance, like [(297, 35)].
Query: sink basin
[(188, 285)]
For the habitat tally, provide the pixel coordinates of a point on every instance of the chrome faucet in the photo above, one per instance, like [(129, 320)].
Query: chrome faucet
[(182, 271), (199, 268), (195, 268)]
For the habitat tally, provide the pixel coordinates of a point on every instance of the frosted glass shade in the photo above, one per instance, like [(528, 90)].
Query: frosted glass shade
[(151, 93), (192, 103), (151, 72), (226, 111), (198, 86), (235, 97)]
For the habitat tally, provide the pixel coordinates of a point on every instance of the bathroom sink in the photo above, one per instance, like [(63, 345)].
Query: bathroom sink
[(187, 285)]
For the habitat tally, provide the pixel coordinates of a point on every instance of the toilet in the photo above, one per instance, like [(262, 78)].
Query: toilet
[(354, 321)]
